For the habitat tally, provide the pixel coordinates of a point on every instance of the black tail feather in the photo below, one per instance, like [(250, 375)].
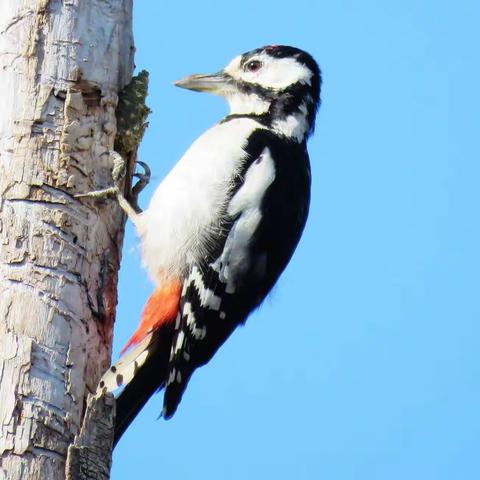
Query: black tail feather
[(149, 378)]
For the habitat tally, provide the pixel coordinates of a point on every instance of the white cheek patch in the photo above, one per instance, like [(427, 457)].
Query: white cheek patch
[(280, 73), (276, 73), (242, 103)]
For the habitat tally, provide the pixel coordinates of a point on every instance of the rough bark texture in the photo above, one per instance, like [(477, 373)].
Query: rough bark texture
[(89, 458), (61, 66)]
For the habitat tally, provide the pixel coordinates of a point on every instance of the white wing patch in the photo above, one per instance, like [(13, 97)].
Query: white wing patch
[(234, 261)]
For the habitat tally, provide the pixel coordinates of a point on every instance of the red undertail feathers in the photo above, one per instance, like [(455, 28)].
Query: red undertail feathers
[(161, 308)]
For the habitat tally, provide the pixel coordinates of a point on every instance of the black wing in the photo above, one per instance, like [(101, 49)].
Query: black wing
[(264, 220)]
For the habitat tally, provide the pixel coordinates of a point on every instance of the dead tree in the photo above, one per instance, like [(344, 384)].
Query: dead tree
[(62, 65)]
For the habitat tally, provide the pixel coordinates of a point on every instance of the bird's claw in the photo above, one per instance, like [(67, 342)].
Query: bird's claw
[(143, 180), (119, 172)]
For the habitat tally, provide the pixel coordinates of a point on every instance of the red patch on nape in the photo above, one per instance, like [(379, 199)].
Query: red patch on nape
[(271, 48), (161, 308)]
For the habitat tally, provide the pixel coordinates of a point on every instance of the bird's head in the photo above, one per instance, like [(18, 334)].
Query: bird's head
[(276, 83)]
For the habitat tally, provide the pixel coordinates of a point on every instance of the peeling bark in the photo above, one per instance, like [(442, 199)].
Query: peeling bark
[(62, 64), (91, 454)]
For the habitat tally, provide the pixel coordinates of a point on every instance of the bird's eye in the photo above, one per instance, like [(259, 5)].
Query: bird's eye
[(253, 66)]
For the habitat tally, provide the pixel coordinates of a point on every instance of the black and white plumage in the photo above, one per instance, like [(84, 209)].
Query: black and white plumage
[(223, 224)]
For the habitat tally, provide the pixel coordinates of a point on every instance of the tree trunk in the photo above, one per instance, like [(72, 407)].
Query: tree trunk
[(62, 64)]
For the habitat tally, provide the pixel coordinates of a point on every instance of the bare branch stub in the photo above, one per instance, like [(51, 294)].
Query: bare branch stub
[(90, 456)]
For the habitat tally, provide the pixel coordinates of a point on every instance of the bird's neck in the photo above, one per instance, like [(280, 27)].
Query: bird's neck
[(283, 114), (293, 124), (248, 104)]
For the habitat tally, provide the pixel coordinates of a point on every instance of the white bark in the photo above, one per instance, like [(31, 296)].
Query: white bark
[(61, 66)]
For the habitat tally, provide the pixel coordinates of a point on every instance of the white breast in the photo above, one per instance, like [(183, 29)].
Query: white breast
[(189, 202)]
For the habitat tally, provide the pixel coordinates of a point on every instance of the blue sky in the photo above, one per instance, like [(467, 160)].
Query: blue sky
[(364, 362)]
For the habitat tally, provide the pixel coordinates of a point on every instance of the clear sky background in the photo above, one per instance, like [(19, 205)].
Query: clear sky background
[(364, 362)]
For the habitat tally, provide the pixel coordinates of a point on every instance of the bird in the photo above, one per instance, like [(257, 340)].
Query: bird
[(222, 225)]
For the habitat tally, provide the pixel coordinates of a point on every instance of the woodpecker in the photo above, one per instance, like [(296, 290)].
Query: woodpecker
[(222, 225)]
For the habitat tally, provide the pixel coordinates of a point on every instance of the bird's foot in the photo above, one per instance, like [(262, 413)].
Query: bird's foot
[(119, 171)]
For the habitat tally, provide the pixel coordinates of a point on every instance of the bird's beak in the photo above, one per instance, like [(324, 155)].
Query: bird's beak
[(216, 83)]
